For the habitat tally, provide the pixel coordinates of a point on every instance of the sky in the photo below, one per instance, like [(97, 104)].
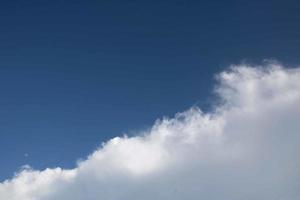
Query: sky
[(76, 74)]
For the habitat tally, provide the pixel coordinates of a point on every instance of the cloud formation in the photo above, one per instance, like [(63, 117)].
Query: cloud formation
[(246, 148)]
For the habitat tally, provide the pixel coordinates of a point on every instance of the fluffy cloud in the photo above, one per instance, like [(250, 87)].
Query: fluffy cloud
[(246, 148)]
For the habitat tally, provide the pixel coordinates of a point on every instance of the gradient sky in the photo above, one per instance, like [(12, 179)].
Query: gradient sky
[(76, 73)]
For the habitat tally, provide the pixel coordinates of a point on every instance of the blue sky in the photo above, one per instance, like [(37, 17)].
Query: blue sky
[(76, 73)]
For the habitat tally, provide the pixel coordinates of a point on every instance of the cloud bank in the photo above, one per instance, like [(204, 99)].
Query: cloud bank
[(246, 148)]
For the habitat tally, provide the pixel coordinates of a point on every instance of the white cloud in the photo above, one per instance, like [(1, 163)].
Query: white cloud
[(247, 148)]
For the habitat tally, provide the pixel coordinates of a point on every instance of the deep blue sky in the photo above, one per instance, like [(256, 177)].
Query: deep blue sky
[(76, 73)]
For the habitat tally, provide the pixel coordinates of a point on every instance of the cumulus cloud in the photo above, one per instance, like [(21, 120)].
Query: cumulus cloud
[(246, 148)]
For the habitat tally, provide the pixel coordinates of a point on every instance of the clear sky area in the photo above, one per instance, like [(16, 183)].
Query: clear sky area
[(74, 74)]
